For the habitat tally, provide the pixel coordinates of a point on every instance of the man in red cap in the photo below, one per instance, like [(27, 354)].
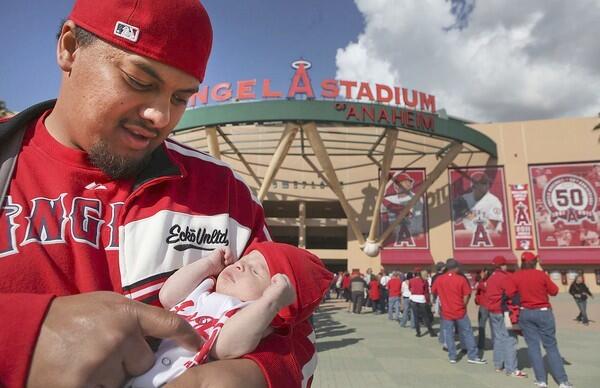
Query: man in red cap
[(96, 198), (536, 319), (420, 302), (505, 341), (396, 199), (394, 287), (454, 292)]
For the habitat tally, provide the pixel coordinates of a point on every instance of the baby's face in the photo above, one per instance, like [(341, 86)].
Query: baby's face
[(246, 279)]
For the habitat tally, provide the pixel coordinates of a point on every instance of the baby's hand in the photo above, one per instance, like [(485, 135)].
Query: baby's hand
[(280, 291), (219, 259)]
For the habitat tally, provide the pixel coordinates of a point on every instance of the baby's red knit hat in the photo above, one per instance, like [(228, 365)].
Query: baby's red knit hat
[(306, 272)]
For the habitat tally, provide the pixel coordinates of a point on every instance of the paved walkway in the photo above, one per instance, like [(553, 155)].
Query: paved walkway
[(357, 351)]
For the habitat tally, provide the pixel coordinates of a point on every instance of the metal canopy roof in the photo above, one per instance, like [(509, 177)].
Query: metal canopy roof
[(327, 113)]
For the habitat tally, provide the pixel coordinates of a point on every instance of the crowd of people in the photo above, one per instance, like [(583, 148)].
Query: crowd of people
[(511, 303)]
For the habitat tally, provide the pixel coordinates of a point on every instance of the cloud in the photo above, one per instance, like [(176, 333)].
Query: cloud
[(493, 60)]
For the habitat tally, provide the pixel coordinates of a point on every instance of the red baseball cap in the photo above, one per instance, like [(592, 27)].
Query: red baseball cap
[(499, 260), (402, 176), (528, 256), (306, 272), (176, 33)]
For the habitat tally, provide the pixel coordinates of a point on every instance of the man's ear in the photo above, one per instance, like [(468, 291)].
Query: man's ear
[(66, 46)]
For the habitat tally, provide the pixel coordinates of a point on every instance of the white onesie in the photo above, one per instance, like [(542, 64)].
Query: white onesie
[(206, 311)]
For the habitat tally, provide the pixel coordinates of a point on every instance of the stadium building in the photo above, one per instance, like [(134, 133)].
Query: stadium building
[(371, 176)]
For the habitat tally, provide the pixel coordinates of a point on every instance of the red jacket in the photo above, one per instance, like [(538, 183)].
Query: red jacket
[(346, 282), (452, 289), (533, 286), (394, 287), (419, 286), (68, 241), (480, 297), (496, 289), (374, 290)]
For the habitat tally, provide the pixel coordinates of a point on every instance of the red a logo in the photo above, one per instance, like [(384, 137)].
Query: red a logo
[(404, 237), (481, 238)]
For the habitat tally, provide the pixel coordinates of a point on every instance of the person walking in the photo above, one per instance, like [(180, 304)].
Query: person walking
[(440, 269), (338, 285), (483, 314), (367, 278), (505, 341), (394, 289), (357, 292), (580, 293), (537, 320), (406, 310), (346, 287), (419, 302), (383, 281), (375, 294), (454, 293)]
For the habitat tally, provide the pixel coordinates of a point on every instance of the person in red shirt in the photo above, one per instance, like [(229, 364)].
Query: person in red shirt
[(505, 341), (483, 314), (98, 206), (454, 293), (374, 294), (346, 286), (394, 287), (419, 302), (536, 319)]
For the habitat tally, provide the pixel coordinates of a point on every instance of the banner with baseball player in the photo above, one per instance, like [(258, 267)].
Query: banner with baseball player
[(412, 232), (478, 208), (567, 208)]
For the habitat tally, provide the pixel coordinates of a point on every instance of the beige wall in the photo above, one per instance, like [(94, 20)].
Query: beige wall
[(519, 144)]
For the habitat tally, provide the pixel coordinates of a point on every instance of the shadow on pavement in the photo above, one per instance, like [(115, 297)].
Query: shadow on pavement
[(326, 345), (325, 326)]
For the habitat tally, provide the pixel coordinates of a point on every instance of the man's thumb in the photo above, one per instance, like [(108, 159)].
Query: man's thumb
[(160, 323)]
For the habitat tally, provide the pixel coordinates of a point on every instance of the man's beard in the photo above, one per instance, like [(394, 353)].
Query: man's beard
[(116, 166)]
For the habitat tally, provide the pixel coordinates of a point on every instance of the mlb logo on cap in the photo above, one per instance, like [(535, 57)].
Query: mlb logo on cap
[(127, 31)]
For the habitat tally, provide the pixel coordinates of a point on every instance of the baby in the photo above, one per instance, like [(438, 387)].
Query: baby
[(273, 286)]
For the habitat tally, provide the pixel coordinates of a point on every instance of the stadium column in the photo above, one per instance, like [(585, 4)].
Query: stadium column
[(213, 142), (452, 152), (388, 156), (289, 133), (239, 155), (302, 224), (310, 129)]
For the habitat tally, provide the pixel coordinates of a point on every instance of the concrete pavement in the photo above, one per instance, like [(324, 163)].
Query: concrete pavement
[(368, 350)]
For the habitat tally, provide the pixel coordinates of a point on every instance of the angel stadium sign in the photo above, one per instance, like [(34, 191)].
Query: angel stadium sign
[(345, 102), (301, 85)]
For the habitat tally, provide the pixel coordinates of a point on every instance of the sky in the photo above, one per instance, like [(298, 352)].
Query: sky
[(492, 60)]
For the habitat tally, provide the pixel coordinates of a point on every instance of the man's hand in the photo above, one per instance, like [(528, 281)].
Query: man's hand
[(97, 339), (222, 374), (280, 291)]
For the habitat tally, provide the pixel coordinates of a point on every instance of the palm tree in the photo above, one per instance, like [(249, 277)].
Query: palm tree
[(3, 111), (597, 127)]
